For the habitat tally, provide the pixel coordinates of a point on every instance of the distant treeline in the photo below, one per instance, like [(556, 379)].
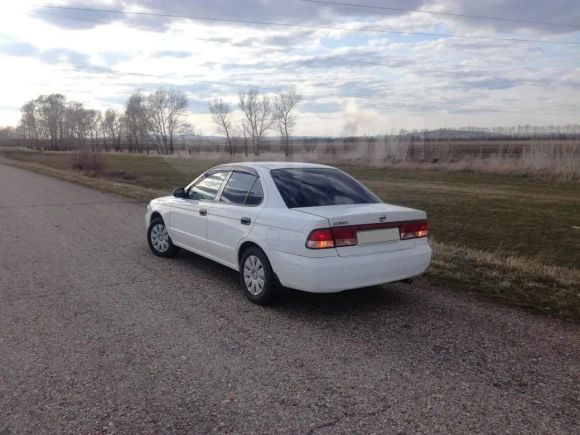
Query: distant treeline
[(51, 122), (521, 132), (150, 122), (155, 122)]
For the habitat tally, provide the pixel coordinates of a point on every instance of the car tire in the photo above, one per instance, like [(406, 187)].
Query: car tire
[(159, 241), (256, 276)]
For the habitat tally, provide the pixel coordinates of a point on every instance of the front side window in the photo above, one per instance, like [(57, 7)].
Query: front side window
[(208, 188), (237, 188), (314, 187)]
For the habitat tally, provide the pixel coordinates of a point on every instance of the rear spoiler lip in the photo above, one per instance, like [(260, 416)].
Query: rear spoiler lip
[(305, 210)]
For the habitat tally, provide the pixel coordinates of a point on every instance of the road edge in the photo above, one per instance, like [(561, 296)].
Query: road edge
[(139, 194)]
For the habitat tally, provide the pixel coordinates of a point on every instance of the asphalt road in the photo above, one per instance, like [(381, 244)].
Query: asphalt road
[(99, 335)]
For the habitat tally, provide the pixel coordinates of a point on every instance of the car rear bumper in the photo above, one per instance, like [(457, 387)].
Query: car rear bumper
[(335, 274)]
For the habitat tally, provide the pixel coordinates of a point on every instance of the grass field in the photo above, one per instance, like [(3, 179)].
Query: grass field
[(514, 239)]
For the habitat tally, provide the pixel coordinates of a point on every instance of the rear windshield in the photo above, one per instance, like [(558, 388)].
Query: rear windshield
[(314, 187)]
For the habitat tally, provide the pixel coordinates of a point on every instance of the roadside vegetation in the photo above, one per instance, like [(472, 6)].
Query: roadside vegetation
[(512, 239)]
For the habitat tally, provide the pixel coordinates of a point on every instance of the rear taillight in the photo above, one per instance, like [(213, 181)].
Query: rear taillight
[(331, 238), (413, 230), (320, 239), (344, 236), (337, 237)]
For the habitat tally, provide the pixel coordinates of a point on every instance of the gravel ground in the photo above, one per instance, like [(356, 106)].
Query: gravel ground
[(98, 335)]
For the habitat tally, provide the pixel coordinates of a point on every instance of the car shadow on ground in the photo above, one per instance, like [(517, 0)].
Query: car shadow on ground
[(398, 316), (376, 298)]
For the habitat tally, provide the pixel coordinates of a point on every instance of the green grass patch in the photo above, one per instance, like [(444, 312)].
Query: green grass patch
[(528, 218), (148, 171), (518, 281)]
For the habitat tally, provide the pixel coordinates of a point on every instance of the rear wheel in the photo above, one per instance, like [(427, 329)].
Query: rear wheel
[(159, 240), (256, 276)]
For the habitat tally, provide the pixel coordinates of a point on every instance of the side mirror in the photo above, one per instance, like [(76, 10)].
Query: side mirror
[(180, 193)]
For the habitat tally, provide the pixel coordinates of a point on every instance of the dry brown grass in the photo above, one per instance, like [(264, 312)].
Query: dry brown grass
[(88, 162), (555, 161), (514, 280), (550, 169), (547, 160)]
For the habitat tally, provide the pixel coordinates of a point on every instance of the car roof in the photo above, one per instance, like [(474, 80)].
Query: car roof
[(274, 165)]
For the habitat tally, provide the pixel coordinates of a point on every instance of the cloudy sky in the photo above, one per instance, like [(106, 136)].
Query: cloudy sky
[(408, 70)]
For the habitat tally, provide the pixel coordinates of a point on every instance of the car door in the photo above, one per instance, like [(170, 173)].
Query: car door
[(188, 218), (230, 219)]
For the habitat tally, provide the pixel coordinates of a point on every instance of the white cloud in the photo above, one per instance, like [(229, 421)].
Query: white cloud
[(365, 83)]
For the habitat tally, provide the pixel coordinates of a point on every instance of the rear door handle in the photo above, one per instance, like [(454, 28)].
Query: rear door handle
[(246, 221), (203, 212)]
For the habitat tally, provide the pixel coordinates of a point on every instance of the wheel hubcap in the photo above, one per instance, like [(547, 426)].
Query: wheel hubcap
[(254, 275), (160, 238)]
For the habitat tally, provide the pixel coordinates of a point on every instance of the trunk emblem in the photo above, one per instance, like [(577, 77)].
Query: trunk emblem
[(383, 219)]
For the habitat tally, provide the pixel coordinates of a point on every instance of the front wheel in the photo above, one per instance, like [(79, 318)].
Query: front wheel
[(159, 240), (256, 275)]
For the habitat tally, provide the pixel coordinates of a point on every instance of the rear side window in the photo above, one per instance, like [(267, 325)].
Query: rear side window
[(255, 195), (314, 187), (237, 188)]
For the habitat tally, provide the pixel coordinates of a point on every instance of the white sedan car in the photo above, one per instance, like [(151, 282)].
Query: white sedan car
[(309, 227)]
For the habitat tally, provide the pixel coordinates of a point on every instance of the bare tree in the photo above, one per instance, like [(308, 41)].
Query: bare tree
[(51, 109), (78, 123), (8, 134), (257, 112), (109, 126), (285, 119), (120, 123), (222, 116), (94, 128), (137, 121), (113, 128), (102, 128), (29, 120), (166, 110), (242, 131), (43, 119)]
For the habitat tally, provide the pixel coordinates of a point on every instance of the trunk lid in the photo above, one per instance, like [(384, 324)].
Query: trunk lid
[(364, 214)]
